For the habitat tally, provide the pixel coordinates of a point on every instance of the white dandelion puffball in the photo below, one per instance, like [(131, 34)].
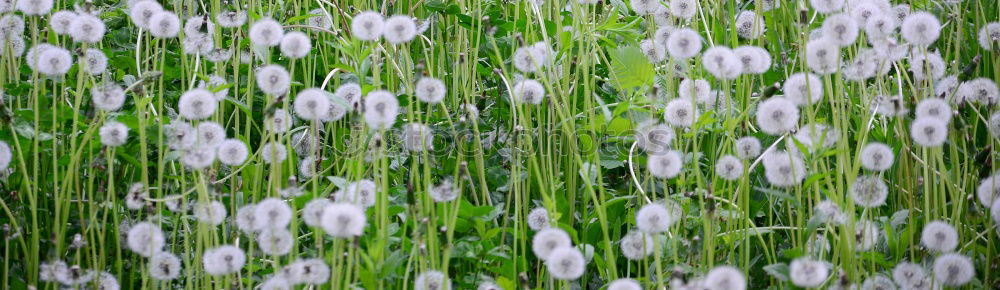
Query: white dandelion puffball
[(272, 213), (164, 266), (399, 29), (729, 167), (107, 96), (866, 234), (749, 25), (106, 281), (368, 25), (197, 104), (654, 138), (273, 79), (808, 273), (934, 108), (86, 28), (684, 9), (211, 213), (443, 192), (989, 36), (136, 197), (198, 26), (637, 245), (34, 7), (878, 282), (657, 217), (266, 32), (910, 276), (988, 190), (881, 26), (430, 90), (777, 116), (528, 59), (697, 89), (142, 13), (307, 271), (273, 153), (199, 157), (953, 270), (566, 263), (841, 29), (548, 240), (783, 169), (662, 34), (981, 90), (432, 280), (231, 19), (312, 104), (538, 219), (223, 260), (827, 6), (680, 112), (279, 121), (53, 61), (803, 88), (747, 147), (722, 63), (95, 62), (295, 45), (684, 43), (113, 134), (343, 220), (232, 152), (361, 193), (653, 51), (755, 60), (164, 24), (529, 91), (210, 134), (828, 211), (312, 213), (929, 132), (823, 56), (275, 241), (666, 164), (994, 124), (351, 93), (939, 236), (181, 135), (624, 284), (276, 282), (877, 156), (145, 239), (245, 219), (644, 7), (927, 65), (381, 109), (725, 278), (59, 22), (869, 191), (920, 28)]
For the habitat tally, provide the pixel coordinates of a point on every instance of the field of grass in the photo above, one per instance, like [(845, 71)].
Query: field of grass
[(487, 144)]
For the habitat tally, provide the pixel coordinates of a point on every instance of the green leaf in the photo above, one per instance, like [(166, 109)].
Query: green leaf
[(778, 271), (630, 68)]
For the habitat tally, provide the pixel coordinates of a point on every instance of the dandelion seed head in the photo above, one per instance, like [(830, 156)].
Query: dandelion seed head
[(431, 280), (279, 121), (312, 213), (840, 29), (430, 90), (696, 89), (881, 25), (909, 275), (684, 43), (749, 25), (145, 239), (684, 9), (527, 59), (653, 51), (981, 90), (927, 65), (443, 192), (866, 234), (113, 134), (939, 236), (878, 282), (245, 219), (197, 104), (808, 273), (929, 132), (223, 260), (538, 219), (729, 167), (823, 56), (994, 124), (273, 152), (312, 104), (827, 6), (74, 275), (94, 61), (106, 281), (815, 136), (198, 25), (232, 152), (755, 60), (953, 269), (59, 22), (52, 61), (725, 278), (828, 211), (361, 193), (231, 18), (988, 189), (381, 108), (34, 7), (350, 92), (783, 169), (680, 112), (307, 271), (624, 284), (548, 240), (399, 29), (295, 45), (637, 245), (181, 135), (935, 108), (747, 147), (266, 32), (211, 212), (667, 164), (272, 213), (210, 134), (273, 79), (275, 241), (803, 89), (276, 282), (136, 197), (653, 137), (164, 24), (644, 7), (889, 106), (869, 191), (325, 21), (529, 91), (876, 156), (777, 116), (657, 217), (142, 13), (566, 263), (989, 36), (198, 44), (662, 34), (722, 63), (920, 28), (343, 220), (86, 28), (107, 96)]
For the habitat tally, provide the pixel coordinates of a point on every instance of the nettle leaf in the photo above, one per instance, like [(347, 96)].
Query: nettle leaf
[(630, 68)]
